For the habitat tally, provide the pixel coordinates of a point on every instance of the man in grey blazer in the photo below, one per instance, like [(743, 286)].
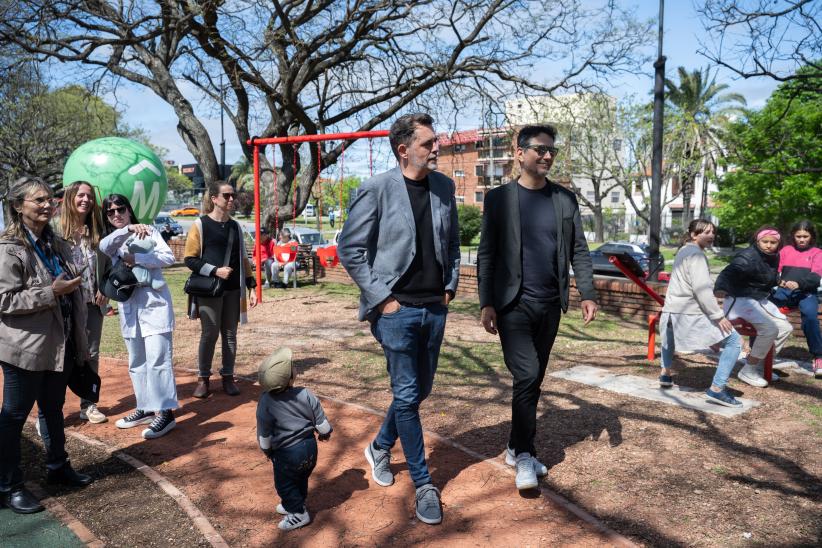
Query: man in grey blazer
[(531, 231), (400, 245)]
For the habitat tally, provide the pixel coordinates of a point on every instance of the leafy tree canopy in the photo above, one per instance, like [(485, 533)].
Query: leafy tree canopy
[(775, 157)]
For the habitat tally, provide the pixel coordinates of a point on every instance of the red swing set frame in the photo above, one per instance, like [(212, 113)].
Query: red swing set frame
[(297, 139)]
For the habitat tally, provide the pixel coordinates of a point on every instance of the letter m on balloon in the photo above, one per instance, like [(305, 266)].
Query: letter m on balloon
[(144, 202)]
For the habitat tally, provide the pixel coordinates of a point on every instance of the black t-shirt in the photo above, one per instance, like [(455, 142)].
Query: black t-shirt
[(422, 282), (538, 227), (214, 240)]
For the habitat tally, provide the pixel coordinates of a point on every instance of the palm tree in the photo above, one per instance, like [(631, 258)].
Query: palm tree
[(701, 112), (242, 173)]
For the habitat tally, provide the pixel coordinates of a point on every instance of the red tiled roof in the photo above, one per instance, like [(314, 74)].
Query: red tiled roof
[(459, 137)]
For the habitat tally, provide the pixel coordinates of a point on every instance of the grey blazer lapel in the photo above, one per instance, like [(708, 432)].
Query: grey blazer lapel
[(399, 196)]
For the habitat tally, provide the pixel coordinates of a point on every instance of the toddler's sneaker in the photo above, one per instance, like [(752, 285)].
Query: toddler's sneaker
[(294, 521), (511, 460), (136, 418), (752, 374), (161, 425)]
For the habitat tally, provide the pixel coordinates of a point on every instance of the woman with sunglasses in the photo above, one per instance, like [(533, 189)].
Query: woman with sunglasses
[(206, 245), (82, 226), (42, 334), (146, 321)]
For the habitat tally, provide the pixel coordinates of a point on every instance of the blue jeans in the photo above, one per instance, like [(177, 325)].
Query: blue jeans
[(808, 304), (411, 340), (732, 344), (292, 468), (152, 376), (21, 389)]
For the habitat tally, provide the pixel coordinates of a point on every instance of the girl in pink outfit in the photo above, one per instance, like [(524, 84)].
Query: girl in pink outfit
[(800, 266)]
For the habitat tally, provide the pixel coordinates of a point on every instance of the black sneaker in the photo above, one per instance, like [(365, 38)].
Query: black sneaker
[(136, 418), (161, 425)]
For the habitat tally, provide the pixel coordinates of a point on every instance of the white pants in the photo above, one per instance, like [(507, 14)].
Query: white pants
[(772, 328), (288, 270), (149, 366)]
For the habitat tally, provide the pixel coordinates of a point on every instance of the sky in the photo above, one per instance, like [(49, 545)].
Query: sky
[(141, 108)]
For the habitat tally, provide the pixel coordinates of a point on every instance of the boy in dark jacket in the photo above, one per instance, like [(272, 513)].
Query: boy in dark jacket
[(287, 417)]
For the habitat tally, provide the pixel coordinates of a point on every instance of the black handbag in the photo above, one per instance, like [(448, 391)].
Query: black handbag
[(198, 285), (118, 282), (84, 382)]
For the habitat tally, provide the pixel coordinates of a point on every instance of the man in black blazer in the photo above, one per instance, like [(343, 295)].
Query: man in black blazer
[(531, 231)]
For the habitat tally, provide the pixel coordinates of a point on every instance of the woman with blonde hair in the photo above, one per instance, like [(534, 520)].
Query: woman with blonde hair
[(215, 248), (82, 226), (42, 336)]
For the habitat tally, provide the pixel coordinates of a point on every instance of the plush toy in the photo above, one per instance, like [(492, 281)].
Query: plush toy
[(143, 274)]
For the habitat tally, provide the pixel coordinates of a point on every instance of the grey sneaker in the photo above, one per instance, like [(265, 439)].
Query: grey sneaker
[(752, 374), (380, 461), (526, 475), (511, 460), (93, 415), (429, 509)]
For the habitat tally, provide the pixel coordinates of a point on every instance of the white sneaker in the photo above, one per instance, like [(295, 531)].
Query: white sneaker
[(294, 521), (92, 414), (526, 475), (511, 460), (281, 510), (752, 374)]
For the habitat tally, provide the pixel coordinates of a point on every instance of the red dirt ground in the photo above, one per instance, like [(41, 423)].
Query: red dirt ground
[(212, 457)]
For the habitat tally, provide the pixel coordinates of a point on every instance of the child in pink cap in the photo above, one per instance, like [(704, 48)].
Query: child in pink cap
[(747, 283)]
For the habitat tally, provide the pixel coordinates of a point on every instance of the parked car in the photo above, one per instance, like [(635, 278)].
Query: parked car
[(189, 211), (305, 235), (163, 219), (602, 265)]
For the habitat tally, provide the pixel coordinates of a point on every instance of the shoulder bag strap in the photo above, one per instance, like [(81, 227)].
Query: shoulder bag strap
[(227, 257)]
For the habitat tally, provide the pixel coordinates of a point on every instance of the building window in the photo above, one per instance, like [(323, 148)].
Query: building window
[(478, 197), (479, 170), (460, 199), (478, 144), (591, 195), (459, 148), (459, 173), (615, 197)]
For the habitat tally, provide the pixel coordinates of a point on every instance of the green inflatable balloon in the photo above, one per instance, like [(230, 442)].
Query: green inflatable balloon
[(115, 165)]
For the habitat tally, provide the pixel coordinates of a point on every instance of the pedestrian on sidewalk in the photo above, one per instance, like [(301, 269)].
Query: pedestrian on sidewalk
[(747, 283), (212, 239), (42, 335), (81, 224), (146, 320), (800, 262), (401, 246), (531, 233), (692, 318), (287, 417)]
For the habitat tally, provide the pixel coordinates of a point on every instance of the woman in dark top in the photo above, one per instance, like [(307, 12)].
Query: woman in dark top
[(205, 254)]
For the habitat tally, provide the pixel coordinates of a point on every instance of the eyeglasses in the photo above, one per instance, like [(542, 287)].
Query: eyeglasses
[(44, 201), (542, 149), (228, 196), (119, 210)]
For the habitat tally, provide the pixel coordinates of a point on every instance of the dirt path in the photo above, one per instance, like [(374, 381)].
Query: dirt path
[(212, 458)]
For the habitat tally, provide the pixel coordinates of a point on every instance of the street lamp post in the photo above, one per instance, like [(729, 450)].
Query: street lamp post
[(656, 160), (222, 130)]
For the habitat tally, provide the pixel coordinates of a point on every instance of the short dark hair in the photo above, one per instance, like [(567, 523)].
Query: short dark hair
[(529, 132), (402, 130), (117, 200)]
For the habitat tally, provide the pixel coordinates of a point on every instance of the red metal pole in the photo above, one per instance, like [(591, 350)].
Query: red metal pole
[(319, 137), (641, 283), (257, 246)]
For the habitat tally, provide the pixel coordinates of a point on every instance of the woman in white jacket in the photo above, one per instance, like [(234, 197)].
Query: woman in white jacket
[(692, 319), (146, 321)]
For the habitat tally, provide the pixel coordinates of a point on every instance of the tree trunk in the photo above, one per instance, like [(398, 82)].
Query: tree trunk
[(599, 229), (687, 190)]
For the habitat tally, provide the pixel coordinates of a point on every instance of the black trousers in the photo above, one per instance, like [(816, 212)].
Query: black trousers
[(21, 389), (527, 332)]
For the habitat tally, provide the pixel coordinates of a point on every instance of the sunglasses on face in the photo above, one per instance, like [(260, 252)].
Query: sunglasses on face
[(228, 196), (542, 149), (119, 210)]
